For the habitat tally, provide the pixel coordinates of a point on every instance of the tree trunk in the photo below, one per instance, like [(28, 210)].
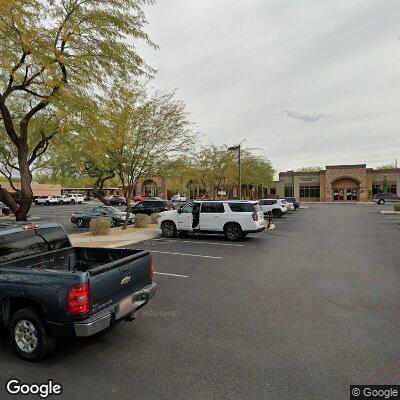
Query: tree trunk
[(98, 191), (7, 198), (128, 196), (26, 183)]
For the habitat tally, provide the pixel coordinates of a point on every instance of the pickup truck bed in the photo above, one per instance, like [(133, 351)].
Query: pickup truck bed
[(72, 291)]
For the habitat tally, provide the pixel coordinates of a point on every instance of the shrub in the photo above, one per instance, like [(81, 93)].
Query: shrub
[(397, 207), (141, 221), (154, 218), (100, 226)]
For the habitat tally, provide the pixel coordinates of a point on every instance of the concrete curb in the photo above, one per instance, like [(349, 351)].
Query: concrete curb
[(388, 212), (113, 241)]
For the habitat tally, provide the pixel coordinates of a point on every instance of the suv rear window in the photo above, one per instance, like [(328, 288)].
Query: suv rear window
[(244, 207), (267, 202)]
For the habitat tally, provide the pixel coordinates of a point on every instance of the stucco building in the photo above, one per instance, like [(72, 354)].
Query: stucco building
[(355, 183)]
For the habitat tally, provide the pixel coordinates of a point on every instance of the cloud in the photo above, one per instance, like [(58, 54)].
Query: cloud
[(305, 117), (331, 66)]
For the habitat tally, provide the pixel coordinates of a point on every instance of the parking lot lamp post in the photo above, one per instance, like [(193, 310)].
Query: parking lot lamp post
[(234, 148)]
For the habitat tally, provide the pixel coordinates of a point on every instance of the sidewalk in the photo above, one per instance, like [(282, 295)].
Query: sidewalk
[(116, 238)]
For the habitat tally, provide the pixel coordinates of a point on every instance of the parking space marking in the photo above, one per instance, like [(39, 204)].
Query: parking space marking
[(200, 242), (184, 254), (177, 275)]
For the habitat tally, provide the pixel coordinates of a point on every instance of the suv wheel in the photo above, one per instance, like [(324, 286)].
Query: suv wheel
[(80, 222), (233, 232), (29, 335), (168, 229), (277, 213), (381, 202)]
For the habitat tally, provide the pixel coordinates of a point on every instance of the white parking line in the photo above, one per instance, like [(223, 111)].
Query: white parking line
[(200, 242), (164, 273), (184, 254)]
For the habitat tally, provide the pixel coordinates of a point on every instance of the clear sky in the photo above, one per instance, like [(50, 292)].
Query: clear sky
[(309, 82)]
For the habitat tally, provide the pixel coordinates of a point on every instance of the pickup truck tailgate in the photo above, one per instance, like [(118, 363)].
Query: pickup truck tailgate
[(112, 282)]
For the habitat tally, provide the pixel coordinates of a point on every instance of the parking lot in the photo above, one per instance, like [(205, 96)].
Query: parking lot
[(61, 214), (299, 312)]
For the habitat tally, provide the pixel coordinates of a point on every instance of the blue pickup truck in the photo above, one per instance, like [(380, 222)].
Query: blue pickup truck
[(49, 288)]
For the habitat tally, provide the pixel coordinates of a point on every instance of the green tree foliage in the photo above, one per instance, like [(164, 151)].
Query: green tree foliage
[(54, 53), (132, 133), (216, 168)]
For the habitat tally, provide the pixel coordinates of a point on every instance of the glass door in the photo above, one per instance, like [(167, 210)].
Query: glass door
[(338, 194), (352, 194)]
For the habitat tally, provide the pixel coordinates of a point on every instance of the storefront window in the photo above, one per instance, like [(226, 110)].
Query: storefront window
[(309, 191)]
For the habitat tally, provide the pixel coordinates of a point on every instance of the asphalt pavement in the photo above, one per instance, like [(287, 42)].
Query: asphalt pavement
[(300, 312), (61, 214)]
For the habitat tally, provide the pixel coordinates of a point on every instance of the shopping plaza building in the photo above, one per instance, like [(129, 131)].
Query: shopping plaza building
[(354, 183), (335, 183)]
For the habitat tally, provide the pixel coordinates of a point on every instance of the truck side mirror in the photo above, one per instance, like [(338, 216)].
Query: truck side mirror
[(179, 211)]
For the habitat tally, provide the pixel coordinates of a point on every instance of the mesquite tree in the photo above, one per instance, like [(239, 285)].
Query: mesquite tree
[(54, 53)]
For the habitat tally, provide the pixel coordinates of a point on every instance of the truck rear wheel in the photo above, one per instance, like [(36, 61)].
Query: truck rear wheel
[(168, 229), (29, 335)]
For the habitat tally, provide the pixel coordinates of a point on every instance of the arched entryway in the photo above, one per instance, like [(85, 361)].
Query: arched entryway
[(346, 189)]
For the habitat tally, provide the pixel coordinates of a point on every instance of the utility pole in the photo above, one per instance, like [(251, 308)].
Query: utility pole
[(238, 148)]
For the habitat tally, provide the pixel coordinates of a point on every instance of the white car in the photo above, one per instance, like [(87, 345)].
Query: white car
[(46, 200), (179, 198), (76, 198), (234, 218), (64, 199), (277, 207)]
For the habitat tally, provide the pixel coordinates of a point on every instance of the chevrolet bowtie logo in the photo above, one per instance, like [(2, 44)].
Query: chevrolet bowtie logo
[(126, 280)]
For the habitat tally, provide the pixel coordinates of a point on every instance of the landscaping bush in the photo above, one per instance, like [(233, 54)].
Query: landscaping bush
[(154, 218), (100, 226), (397, 207), (141, 221)]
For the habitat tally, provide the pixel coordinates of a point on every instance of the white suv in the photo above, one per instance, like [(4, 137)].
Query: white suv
[(76, 198), (234, 218), (277, 207), (47, 200)]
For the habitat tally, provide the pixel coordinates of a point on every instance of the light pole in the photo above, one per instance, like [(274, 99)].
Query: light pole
[(234, 148)]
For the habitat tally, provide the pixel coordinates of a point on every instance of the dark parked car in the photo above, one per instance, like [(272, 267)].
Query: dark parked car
[(382, 198), (294, 201), (4, 209), (151, 206), (49, 288), (117, 201), (82, 217)]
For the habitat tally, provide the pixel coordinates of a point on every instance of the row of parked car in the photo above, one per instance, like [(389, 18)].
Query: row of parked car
[(233, 218), (73, 198)]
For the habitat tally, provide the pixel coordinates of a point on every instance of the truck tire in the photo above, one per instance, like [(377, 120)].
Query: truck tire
[(29, 336), (168, 229), (233, 232)]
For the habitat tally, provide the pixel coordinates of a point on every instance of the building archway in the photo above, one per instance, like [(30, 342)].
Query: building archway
[(346, 189)]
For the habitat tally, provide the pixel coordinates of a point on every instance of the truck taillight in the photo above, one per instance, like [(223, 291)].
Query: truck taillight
[(255, 216), (151, 267), (78, 301)]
